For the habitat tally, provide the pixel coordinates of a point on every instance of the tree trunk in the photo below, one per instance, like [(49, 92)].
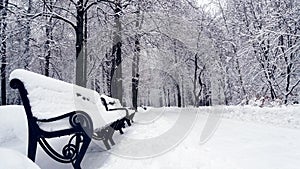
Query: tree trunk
[(196, 104), (135, 72), (148, 98), (168, 95), (85, 46), (49, 40), (161, 102), (135, 63), (240, 77), (177, 77), (80, 56), (183, 93), (197, 77), (27, 39), (116, 73), (165, 96), (178, 95), (289, 66), (107, 74), (3, 25), (175, 100)]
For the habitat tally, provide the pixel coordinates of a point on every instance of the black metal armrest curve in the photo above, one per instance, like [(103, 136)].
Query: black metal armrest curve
[(56, 118)]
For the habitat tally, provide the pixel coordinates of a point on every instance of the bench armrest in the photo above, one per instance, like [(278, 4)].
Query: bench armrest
[(56, 118)]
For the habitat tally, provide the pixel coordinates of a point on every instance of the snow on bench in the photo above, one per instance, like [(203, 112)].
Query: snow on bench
[(55, 108), (114, 105), (50, 97)]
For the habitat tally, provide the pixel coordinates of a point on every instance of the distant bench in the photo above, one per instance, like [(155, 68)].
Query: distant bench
[(105, 133), (55, 108)]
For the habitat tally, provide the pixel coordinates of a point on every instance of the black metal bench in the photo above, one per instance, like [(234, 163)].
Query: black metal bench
[(77, 121)]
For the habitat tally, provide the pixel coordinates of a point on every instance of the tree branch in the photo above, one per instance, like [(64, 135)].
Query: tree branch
[(74, 3), (293, 88), (95, 3), (54, 15), (61, 8)]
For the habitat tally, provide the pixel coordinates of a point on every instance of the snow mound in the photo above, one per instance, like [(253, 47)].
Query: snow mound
[(13, 124), (11, 159), (281, 116)]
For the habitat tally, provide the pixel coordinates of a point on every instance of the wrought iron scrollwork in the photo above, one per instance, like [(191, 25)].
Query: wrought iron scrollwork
[(76, 147), (81, 120), (69, 151), (68, 154)]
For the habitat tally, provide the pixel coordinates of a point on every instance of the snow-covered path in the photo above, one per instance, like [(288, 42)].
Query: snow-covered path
[(234, 145), (169, 138)]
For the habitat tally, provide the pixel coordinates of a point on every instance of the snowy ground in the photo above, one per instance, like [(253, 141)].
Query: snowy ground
[(245, 138)]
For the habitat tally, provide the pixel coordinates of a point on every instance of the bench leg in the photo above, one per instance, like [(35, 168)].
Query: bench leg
[(107, 146), (32, 145), (85, 144), (110, 136), (112, 142), (118, 125), (109, 131), (121, 131), (128, 121), (131, 117), (33, 138), (121, 125)]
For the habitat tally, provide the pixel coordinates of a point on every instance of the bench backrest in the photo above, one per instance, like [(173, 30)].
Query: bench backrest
[(49, 98), (110, 103)]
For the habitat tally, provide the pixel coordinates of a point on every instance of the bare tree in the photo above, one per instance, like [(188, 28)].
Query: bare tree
[(136, 58), (3, 38), (116, 69)]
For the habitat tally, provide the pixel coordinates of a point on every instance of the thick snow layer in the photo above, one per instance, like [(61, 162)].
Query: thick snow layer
[(13, 127), (11, 159), (245, 138), (284, 116), (50, 97), (234, 145)]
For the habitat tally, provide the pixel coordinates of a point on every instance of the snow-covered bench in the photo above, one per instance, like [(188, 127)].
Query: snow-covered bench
[(55, 108), (105, 133), (111, 104)]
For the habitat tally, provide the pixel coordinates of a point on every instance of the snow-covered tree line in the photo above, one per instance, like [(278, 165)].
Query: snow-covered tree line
[(262, 46), (157, 52)]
